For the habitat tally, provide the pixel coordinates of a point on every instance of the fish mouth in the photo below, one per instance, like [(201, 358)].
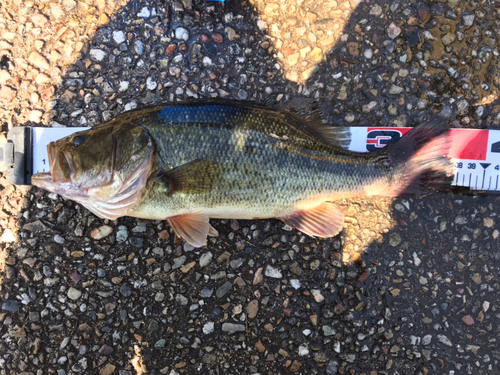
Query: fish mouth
[(60, 164)]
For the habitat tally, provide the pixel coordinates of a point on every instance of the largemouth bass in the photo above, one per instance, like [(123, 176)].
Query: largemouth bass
[(186, 163)]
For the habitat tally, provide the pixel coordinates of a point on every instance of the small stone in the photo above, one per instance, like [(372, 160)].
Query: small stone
[(105, 350), (422, 280), (218, 38), (138, 47), (119, 36), (7, 94), (231, 33), (58, 239), (476, 277), (171, 47), (151, 84), (144, 12), (122, 234), (253, 309), (178, 262), (74, 294), (222, 291), (205, 259), (488, 222), (467, 319), (36, 116), (208, 328), (376, 10), (69, 4), (393, 31), (426, 340), (125, 290), (293, 59), (188, 267), (295, 367), (97, 54), (101, 232), (328, 331), (445, 340), (56, 11), (260, 347), (181, 33), (318, 297), (206, 293), (354, 48), (232, 328), (448, 38), (257, 278), (10, 306), (395, 239), (273, 272), (39, 61)]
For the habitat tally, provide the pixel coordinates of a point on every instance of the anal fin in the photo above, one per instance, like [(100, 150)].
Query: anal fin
[(193, 228), (325, 220)]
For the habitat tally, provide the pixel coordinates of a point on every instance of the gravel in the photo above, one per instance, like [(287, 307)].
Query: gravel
[(410, 286)]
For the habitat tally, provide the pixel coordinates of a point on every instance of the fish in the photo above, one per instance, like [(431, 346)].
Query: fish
[(187, 163)]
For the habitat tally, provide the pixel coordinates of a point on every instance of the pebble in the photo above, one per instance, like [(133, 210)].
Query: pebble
[(97, 54), (253, 309), (208, 328), (122, 234), (101, 232), (448, 38), (222, 291), (231, 33), (393, 31), (144, 12), (39, 61), (151, 84), (206, 293), (318, 296), (10, 306), (69, 5), (467, 319), (376, 10), (488, 222), (74, 294), (205, 259), (138, 47), (232, 328), (445, 340), (181, 34), (7, 94), (58, 239), (218, 38), (119, 36), (125, 290), (273, 272)]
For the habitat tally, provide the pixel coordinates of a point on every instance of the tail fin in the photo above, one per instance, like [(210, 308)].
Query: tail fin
[(420, 160)]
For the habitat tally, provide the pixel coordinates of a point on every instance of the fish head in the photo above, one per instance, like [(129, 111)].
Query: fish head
[(104, 168)]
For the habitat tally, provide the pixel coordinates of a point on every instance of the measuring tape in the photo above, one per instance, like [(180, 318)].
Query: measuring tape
[(476, 153)]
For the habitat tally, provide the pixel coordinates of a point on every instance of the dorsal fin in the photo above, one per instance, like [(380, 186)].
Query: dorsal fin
[(306, 115)]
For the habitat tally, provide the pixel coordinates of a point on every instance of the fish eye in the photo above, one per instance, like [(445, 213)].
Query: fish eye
[(78, 140)]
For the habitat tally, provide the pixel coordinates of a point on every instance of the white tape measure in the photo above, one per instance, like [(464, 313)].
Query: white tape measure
[(476, 153)]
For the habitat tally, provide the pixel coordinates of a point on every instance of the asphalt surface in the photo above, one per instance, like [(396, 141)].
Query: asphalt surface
[(411, 286)]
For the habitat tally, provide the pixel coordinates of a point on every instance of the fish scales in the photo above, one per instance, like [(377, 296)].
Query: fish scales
[(254, 152), (190, 162)]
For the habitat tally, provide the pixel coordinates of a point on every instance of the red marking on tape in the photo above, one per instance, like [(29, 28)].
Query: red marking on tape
[(403, 131), (469, 144)]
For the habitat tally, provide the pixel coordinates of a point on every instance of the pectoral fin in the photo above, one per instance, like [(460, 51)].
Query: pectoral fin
[(325, 220), (193, 228), (196, 177)]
